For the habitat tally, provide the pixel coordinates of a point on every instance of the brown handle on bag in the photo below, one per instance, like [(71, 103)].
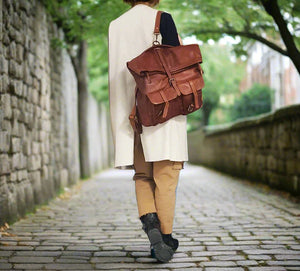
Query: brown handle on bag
[(133, 118)]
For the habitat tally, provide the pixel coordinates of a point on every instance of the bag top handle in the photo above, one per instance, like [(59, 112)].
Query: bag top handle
[(157, 22)]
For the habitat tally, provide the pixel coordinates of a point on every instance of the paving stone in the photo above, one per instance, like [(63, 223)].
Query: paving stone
[(259, 257), (218, 263), (228, 257), (190, 259), (273, 246), (71, 260), (84, 248), (111, 260), (238, 243), (140, 254), (213, 253), (110, 253), (221, 224), (287, 257), (296, 247), (68, 266), (181, 254), (54, 248), (10, 248), (286, 263), (29, 266), (5, 253), (146, 260), (224, 269), (213, 248), (267, 268), (152, 266), (22, 259), (270, 251), (4, 266), (38, 253), (113, 248), (247, 263), (77, 253), (190, 248)]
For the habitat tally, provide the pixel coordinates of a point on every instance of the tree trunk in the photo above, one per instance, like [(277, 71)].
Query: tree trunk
[(80, 64), (272, 8), (206, 109)]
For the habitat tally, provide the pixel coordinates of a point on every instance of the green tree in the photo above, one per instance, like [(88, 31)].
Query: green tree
[(85, 24), (87, 21), (221, 76), (252, 20), (255, 101)]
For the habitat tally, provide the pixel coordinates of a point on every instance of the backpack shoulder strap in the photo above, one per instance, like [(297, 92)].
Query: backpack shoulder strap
[(157, 22)]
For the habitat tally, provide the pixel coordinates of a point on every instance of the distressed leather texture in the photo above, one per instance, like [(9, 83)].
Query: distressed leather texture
[(169, 82)]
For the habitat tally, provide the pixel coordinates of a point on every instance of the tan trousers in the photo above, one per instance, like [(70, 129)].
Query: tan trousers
[(155, 186)]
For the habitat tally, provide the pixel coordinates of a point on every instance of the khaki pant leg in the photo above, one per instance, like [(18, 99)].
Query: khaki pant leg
[(166, 174), (144, 184)]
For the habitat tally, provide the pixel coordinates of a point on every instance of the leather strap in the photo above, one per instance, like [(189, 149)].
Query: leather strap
[(200, 69), (172, 80), (137, 127), (163, 62), (166, 109), (157, 22), (174, 85), (134, 122), (195, 94)]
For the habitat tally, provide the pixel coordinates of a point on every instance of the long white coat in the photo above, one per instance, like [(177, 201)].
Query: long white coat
[(129, 35)]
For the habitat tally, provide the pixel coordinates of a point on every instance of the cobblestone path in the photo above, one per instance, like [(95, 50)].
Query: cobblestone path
[(222, 224)]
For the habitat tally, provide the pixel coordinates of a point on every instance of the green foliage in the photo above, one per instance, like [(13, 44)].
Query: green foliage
[(88, 20), (255, 101), (98, 49), (220, 115), (84, 19), (58, 43), (221, 76), (247, 19), (98, 68)]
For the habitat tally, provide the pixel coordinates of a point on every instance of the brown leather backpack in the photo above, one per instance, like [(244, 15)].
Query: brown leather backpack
[(168, 80)]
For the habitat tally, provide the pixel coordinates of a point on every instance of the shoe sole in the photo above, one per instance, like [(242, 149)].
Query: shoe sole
[(162, 252)]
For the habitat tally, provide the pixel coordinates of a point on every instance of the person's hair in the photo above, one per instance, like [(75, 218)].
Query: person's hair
[(133, 2)]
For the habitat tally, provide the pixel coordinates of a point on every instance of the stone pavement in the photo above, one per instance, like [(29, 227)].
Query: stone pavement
[(222, 223)]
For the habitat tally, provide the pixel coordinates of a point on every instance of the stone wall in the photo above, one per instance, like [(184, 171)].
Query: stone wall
[(100, 143), (264, 149), (39, 152)]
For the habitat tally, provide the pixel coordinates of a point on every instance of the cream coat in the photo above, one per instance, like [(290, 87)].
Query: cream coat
[(129, 35)]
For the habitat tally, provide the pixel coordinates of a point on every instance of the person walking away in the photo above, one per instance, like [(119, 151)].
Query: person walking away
[(158, 154)]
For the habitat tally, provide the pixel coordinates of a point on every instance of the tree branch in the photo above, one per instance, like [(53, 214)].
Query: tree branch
[(272, 8), (247, 35), (242, 16)]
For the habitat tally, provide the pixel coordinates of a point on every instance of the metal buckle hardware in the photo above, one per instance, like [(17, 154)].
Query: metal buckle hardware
[(171, 81), (156, 42)]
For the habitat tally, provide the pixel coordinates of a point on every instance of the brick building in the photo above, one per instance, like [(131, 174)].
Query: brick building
[(267, 67)]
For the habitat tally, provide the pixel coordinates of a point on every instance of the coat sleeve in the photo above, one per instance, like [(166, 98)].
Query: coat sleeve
[(168, 30)]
